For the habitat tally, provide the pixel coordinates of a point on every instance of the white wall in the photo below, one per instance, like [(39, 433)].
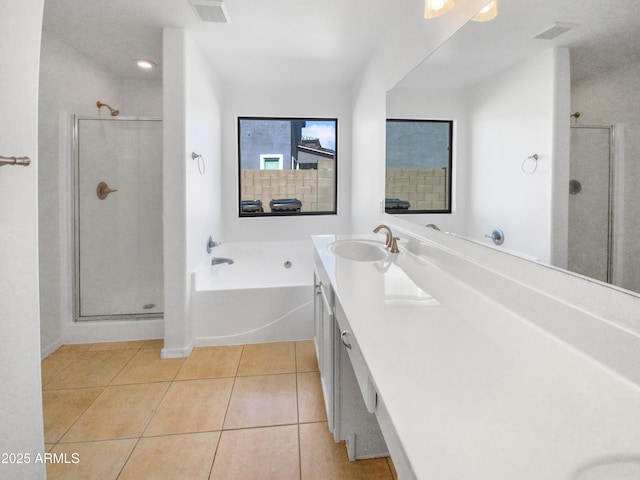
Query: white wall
[(257, 100), (21, 398), (432, 104), (612, 99), (70, 84), (191, 206), (141, 97), (511, 117), (203, 136)]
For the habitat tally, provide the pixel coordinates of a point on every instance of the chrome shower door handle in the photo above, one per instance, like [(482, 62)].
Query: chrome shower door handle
[(103, 190), (343, 334)]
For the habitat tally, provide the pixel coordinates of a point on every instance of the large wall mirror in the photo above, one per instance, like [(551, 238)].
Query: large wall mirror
[(545, 101)]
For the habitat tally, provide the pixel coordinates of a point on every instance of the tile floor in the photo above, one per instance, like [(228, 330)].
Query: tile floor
[(238, 412)]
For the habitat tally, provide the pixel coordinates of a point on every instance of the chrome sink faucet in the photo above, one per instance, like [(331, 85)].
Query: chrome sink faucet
[(391, 241)]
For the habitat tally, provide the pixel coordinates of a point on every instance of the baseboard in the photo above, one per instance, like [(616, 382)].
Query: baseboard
[(45, 352), (176, 352)]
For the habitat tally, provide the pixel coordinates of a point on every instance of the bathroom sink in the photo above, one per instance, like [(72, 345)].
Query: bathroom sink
[(359, 250)]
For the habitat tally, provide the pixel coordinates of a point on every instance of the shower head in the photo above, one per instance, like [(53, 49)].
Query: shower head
[(114, 112)]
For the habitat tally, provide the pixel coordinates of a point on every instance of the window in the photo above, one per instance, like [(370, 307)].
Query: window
[(287, 166), (419, 162), (270, 162)]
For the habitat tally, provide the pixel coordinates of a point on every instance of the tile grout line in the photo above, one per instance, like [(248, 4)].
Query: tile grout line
[(233, 386), (295, 350), (63, 370), (297, 366), (124, 464), (226, 411), (123, 367), (102, 387), (151, 417)]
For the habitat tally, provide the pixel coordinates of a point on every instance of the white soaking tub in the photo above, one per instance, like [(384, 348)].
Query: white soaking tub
[(266, 295)]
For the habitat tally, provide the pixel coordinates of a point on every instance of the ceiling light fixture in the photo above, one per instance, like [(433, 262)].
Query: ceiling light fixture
[(487, 13), (145, 64), (435, 8)]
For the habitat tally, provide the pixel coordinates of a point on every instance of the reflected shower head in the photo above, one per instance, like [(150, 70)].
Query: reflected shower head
[(114, 112)]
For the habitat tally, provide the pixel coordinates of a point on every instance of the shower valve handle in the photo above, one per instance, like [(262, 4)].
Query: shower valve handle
[(103, 190)]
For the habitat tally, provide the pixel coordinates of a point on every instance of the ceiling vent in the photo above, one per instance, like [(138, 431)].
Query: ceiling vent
[(210, 10), (554, 30)]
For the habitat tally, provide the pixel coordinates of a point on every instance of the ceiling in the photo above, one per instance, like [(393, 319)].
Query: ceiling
[(276, 41), (605, 35)]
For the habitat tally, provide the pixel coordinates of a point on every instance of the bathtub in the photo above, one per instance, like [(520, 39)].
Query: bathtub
[(266, 295)]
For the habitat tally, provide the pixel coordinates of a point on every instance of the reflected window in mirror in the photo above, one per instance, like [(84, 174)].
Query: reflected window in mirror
[(287, 166), (419, 162)]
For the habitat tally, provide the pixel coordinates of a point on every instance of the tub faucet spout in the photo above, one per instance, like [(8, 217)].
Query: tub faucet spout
[(219, 260)]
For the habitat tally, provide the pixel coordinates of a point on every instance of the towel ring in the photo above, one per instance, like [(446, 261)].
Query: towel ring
[(201, 164), (533, 159)]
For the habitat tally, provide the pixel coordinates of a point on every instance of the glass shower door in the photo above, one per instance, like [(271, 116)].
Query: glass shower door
[(590, 202), (118, 218)]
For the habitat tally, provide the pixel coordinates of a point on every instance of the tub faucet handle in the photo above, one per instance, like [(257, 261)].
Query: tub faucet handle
[(211, 244)]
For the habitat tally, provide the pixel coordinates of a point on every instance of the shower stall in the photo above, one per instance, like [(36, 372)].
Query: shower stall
[(591, 202), (118, 218)]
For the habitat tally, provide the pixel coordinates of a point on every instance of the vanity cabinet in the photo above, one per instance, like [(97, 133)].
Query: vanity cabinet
[(324, 340), (354, 396), (349, 413)]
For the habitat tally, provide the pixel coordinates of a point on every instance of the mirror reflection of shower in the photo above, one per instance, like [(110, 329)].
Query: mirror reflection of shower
[(114, 112)]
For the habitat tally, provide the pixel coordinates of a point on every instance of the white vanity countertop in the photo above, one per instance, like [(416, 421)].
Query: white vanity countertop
[(490, 382)]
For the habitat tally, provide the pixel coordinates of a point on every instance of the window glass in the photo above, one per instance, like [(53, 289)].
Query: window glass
[(418, 166), (287, 166)]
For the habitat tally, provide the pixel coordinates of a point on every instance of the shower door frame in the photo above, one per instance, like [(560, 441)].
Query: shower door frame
[(75, 168), (611, 196)]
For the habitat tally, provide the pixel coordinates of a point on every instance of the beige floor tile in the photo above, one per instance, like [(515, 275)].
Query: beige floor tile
[(258, 453), (211, 362), (310, 400), (321, 458), (306, 359), (92, 369), (128, 345), (74, 348), (261, 401), (147, 366), (192, 406), (60, 408), (55, 363), (268, 358), (172, 457), (93, 460), (61, 359), (157, 343), (119, 412)]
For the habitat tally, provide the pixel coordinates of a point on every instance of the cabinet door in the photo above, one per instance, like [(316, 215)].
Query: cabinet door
[(353, 422), (317, 315), (324, 345)]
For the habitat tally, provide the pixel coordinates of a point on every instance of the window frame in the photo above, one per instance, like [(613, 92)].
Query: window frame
[(242, 214), (449, 183), (271, 157)]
